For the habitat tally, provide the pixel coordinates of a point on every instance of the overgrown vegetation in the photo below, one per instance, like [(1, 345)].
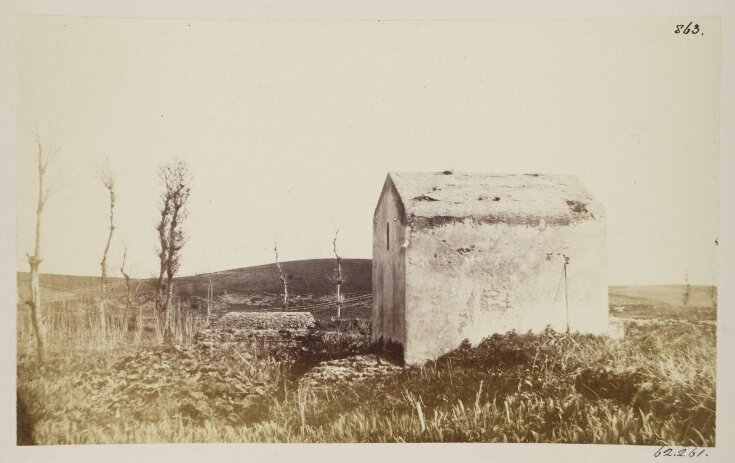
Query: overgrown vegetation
[(656, 386)]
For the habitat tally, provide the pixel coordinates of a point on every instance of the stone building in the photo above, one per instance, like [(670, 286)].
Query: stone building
[(462, 256)]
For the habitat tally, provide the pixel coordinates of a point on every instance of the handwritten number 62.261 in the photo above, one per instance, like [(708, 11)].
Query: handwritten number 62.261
[(693, 452), (687, 29)]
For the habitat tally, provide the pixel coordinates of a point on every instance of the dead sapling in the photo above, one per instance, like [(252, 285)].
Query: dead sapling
[(108, 180), (210, 295), (130, 294), (283, 276), (338, 277)]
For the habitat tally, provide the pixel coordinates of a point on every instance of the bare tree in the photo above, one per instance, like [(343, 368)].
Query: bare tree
[(338, 278), (34, 302), (687, 288), (109, 183), (210, 294), (126, 276), (176, 182), (131, 292), (284, 278)]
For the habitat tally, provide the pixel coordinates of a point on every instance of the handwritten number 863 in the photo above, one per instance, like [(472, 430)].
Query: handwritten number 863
[(686, 29)]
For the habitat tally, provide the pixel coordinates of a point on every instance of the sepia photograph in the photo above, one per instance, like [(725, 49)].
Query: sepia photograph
[(328, 231)]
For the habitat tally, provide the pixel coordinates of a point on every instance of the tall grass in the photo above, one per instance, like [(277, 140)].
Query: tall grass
[(655, 387), (76, 326)]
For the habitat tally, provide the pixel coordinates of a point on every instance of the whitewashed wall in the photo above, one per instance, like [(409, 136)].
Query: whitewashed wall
[(469, 280)]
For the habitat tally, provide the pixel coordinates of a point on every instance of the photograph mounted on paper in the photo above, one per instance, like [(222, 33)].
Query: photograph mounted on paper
[(367, 231)]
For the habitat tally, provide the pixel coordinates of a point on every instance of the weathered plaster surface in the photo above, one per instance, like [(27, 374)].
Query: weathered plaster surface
[(468, 281), (434, 198), (462, 269)]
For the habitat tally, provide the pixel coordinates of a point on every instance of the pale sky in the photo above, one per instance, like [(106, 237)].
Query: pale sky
[(291, 127)]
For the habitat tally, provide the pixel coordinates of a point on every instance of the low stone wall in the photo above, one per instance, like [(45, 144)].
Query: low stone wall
[(338, 351), (267, 320), (278, 327)]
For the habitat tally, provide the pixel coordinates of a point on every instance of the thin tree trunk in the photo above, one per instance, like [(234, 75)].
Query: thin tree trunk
[(109, 184), (209, 301), (126, 276), (177, 321), (566, 289), (37, 315), (163, 258), (339, 278), (137, 319), (339, 302), (140, 323), (160, 288), (167, 333), (171, 256), (102, 317), (283, 278)]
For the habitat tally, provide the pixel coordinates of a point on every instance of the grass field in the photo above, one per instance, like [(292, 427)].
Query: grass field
[(656, 386)]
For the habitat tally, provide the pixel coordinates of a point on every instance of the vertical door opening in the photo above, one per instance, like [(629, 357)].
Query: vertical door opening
[(387, 236)]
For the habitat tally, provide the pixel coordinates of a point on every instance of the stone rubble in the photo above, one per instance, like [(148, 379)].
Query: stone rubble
[(347, 370)]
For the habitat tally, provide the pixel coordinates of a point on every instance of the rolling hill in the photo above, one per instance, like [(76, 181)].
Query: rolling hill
[(674, 295), (307, 278), (310, 283)]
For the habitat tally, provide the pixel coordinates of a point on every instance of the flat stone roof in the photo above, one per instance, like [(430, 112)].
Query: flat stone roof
[(431, 199)]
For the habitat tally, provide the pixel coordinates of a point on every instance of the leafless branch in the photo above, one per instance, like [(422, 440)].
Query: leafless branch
[(282, 276), (108, 181)]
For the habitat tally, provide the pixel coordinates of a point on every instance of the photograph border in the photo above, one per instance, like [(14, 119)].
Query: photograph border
[(370, 11)]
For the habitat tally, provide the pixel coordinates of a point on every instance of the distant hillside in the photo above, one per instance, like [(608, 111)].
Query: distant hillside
[(56, 287), (310, 278), (307, 278), (64, 283), (672, 295)]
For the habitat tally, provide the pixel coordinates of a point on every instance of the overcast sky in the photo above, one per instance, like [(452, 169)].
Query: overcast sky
[(291, 127)]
